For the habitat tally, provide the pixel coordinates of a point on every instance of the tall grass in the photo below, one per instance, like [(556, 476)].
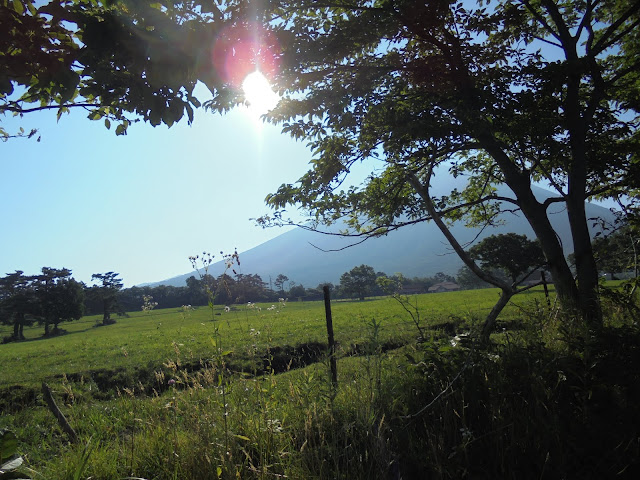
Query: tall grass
[(531, 406)]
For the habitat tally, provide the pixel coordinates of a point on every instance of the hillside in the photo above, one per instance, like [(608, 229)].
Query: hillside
[(418, 250)]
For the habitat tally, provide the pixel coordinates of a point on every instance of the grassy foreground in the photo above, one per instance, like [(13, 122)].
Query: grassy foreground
[(246, 394)]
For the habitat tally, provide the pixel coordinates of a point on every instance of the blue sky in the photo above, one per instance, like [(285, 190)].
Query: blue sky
[(86, 199)]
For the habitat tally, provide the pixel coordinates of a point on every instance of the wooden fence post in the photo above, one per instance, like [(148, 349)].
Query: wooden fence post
[(332, 344), (544, 284)]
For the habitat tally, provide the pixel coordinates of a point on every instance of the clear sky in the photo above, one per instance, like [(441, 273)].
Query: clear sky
[(141, 204)]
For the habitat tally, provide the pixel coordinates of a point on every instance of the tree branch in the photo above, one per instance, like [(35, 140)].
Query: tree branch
[(423, 191), (21, 110), (605, 41)]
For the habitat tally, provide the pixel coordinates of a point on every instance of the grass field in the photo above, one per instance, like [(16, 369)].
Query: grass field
[(210, 394), (150, 338)]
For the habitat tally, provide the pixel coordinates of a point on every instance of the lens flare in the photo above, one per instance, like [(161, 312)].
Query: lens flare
[(240, 50)]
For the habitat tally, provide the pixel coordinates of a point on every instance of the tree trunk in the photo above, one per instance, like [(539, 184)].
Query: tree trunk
[(16, 329), (536, 215), (106, 317), (489, 323), (561, 274), (586, 269)]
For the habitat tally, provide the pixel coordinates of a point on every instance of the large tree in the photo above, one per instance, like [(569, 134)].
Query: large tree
[(60, 298), (106, 291), (18, 305), (358, 281), (502, 93), (515, 255)]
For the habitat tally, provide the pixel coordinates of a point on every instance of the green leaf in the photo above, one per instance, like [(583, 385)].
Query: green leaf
[(242, 437), (18, 6), (107, 123), (219, 471), (8, 444), (121, 129)]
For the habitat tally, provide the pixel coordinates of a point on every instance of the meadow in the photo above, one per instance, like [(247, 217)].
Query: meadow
[(245, 393)]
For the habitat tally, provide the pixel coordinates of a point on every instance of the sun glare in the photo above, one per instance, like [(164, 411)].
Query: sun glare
[(258, 94)]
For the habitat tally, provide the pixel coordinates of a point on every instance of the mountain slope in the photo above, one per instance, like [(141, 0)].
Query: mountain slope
[(416, 250)]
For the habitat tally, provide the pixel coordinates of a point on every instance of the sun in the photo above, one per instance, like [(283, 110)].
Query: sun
[(258, 94)]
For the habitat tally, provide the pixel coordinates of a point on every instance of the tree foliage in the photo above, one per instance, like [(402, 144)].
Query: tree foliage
[(514, 254), (359, 281), (49, 298), (122, 61), (17, 302), (106, 292), (60, 298), (618, 252), (279, 282)]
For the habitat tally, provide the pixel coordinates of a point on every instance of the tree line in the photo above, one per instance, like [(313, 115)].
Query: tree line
[(53, 297)]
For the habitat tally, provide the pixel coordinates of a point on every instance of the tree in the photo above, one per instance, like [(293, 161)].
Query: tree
[(51, 298), (503, 93), (511, 253), (618, 252), (17, 302), (60, 298), (297, 291), (358, 281), (196, 289), (443, 277), (106, 290), (469, 280), (280, 281)]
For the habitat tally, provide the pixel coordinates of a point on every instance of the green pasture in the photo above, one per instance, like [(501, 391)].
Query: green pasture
[(151, 338)]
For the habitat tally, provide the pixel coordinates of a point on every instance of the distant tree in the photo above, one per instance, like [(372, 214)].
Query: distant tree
[(469, 280), (106, 290), (17, 302), (443, 277), (196, 291), (280, 281), (60, 298), (359, 281), (618, 252), (249, 288), (297, 291), (514, 254)]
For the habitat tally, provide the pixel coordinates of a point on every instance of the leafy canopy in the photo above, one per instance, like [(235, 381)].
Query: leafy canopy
[(359, 281), (514, 254)]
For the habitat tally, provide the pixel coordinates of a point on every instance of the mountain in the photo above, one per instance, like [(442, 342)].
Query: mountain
[(416, 250)]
